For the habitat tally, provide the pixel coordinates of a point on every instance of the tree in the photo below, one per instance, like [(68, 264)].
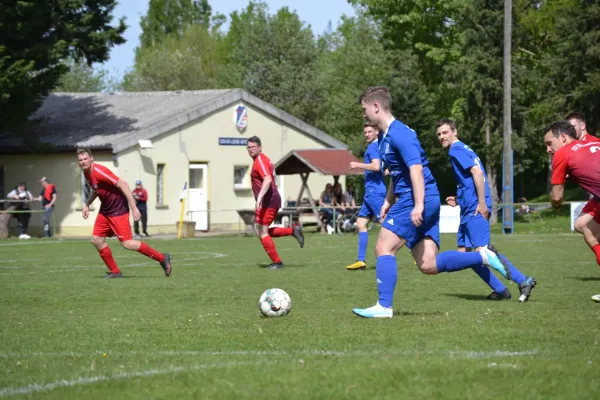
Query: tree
[(83, 78), (171, 18), (272, 57), (187, 62), (36, 36)]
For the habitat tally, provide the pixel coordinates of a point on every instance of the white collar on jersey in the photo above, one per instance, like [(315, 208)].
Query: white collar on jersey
[(388, 128)]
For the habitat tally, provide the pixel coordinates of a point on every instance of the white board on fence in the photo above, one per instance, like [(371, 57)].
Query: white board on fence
[(576, 208), (449, 219)]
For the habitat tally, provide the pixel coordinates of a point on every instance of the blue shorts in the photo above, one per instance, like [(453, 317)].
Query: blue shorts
[(473, 231), (398, 220), (371, 207)]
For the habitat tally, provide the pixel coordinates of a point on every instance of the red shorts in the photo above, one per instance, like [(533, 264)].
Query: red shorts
[(113, 226), (266, 216), (592, 208)]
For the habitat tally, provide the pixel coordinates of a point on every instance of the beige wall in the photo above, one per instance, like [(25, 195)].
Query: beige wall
[(199, 143), (62, 170)]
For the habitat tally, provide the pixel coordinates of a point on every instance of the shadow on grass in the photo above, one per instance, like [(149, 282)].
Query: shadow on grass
[(476, 297), (285, 265), (586, 278), (418, 313)]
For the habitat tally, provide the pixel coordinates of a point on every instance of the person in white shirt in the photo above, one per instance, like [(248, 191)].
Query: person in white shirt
[(23, 205)]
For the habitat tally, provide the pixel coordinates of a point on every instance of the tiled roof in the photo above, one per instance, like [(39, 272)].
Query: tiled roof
[(118, 121), (322, 161)]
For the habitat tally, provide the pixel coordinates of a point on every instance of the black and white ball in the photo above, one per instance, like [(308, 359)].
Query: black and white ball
[(275, 303)]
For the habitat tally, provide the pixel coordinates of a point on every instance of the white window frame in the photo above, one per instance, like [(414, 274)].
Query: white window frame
[(246, 184)]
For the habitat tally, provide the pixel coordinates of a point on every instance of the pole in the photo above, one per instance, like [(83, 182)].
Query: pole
[(507, 187), (182, 200)]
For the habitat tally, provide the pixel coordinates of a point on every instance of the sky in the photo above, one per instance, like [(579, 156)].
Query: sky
[(316, 13)]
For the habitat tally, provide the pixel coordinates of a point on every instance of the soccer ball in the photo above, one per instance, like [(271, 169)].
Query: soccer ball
[(274, 303)]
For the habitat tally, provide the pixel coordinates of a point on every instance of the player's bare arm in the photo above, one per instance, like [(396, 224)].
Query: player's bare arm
[(556, 195), (124, 187), (479, 182), (390, 199), (418, 186), (266, 184), (375, 165), (85, 212)]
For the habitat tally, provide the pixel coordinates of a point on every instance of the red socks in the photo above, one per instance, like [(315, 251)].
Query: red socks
[(269, 247), (150, 252), (107, 257), (596, 250), (279, 232)]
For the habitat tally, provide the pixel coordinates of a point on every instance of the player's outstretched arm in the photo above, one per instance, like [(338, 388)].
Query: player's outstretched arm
[(93, 195), (374, 165)]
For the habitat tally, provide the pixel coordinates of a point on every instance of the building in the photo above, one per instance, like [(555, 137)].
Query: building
[(166, 140)]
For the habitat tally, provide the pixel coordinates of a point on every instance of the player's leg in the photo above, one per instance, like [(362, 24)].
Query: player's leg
[(102, 230), (426, 243), (583, 225), (463, 241), (122, 229), (264, 218), (144, 212), (594, 228), (388, 244), (295, 231), (364, 215)]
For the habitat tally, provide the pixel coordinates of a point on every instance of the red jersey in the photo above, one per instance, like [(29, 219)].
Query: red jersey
[(590, 138), (580, 161), (140, 195), (262, 167), (103, 181)]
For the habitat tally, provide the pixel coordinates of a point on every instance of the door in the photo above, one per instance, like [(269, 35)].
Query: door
[(198, 199)]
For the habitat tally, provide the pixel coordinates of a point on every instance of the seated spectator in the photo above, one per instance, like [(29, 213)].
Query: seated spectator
[(326, 203), (349, 194), (23, 205)]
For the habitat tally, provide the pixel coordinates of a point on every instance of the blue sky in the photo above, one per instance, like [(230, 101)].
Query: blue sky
[(316, 13)]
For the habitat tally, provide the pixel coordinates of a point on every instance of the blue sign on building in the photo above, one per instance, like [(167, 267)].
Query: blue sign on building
[(231, 141)]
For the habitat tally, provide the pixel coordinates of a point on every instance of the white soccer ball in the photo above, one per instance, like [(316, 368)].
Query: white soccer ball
[(274, 303)]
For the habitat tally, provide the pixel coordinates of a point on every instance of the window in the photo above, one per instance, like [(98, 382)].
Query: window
[(86, 190), (160, 184), (241, 177)]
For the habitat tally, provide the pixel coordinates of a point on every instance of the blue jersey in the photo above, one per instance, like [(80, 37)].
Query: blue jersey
[(463, 158), (374, 183), (400, 149)]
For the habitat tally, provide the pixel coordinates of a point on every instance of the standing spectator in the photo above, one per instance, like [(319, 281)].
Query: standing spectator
[(23, 205), (141, 197), (48, 199)]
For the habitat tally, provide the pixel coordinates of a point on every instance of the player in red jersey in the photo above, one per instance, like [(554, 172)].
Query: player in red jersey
[(268, 203), (113, 218), (580, 161), (587, 213)]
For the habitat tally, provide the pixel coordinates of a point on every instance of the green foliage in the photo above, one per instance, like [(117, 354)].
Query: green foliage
[(36, 36), (83, 78)]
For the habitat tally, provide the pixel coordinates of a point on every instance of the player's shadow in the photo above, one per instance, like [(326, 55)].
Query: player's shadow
[(285, 265), (586, 278), (472, 297), (417, 313), (131, 277)]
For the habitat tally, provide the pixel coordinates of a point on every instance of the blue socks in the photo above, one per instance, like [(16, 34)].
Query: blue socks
[(387, 275), (451, 261), (515, 275), (363, 241), (486, 275)]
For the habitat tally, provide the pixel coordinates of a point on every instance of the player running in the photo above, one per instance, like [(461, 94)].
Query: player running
[(587, 213), (375, 192), (268, 203), (580, 161), (113, 218), (473, 197), (411, 210)]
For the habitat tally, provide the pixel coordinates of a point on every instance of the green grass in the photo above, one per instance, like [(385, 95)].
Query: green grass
[(67, 333)]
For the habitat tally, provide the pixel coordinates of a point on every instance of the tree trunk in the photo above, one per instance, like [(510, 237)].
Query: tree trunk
[(492, 175)]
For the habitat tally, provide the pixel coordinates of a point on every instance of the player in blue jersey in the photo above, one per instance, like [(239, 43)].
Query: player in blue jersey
[(411, 211), (375, 192), (475, 202)]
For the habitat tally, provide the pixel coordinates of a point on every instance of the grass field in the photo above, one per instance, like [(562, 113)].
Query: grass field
[(69, 334)]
